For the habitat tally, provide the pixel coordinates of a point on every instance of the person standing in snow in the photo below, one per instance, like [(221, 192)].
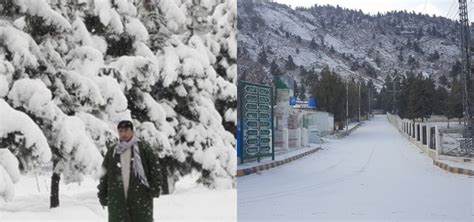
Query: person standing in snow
[(131, 179)]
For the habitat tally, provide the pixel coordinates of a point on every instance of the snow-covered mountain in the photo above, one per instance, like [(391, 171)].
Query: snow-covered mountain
[(348, 41)]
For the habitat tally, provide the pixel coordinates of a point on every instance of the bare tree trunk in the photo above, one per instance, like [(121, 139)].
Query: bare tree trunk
[(55, 178), (164, 176)]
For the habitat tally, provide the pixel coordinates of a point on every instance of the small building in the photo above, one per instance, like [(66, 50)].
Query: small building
[(294, 124)]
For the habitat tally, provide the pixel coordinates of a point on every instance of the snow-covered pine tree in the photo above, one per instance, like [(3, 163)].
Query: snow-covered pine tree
[(72, 149), (91, 63), (23, 146)]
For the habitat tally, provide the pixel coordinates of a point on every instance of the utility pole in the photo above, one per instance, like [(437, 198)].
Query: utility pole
[(394, 91), (369, 111), (358, 117), (465, 47), (393, 104), (468, 143), (347, 106)]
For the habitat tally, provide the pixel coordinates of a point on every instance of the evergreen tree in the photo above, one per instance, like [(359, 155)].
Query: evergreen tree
[(364, 98), (400, 56), (302, 92), (387, 94), (370, 71), (321, 40), (382, 100), (412, 62), (406, 86), (455, 104), (378, 61), (419, 33), (440, 106), (274, 69), (443, 80), (262, 57), (417, 97), (434, 56), (417, 47), (331, 94), (456, 70), (85, 66), (313, 44), (290, 65), (355, 66)]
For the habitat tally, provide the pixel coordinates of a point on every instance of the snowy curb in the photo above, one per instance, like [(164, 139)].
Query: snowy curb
[(344, 133), (251, 170), (354, 128), (450, 169)]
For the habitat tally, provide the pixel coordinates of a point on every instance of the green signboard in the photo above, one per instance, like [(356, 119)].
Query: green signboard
[(256, 121)]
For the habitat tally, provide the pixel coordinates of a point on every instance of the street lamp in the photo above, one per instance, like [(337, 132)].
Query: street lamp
[(370, 104), (358, 117), (347, 105)]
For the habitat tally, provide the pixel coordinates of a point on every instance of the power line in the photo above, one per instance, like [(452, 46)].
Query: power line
[(451, 9), (454, 14), (424, 7), (470, 6)]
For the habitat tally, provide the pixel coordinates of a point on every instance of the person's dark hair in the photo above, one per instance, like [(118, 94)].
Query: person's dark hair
[(125, 124)]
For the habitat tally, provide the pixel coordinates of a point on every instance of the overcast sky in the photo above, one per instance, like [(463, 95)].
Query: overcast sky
[(445, 8)]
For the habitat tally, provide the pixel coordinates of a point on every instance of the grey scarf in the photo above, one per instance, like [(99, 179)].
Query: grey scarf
[(138, 171)]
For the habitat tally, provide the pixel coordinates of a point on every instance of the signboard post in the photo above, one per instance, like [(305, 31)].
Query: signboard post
[(256, 121)]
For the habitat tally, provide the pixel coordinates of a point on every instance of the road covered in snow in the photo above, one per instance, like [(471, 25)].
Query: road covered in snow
[(374, 174)]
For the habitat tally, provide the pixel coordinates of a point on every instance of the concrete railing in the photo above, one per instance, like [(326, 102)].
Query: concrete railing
[(423, 135), (429, 138)]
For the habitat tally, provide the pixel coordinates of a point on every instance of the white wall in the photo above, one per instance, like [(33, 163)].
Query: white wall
[(323, 121)]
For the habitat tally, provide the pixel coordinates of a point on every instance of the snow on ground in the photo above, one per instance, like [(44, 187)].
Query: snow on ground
[(280, 18), (79, 202), (374, 174), (351, 125), (453, 124)]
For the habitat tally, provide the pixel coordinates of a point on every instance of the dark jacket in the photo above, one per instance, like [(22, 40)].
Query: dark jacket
[(138, 207)]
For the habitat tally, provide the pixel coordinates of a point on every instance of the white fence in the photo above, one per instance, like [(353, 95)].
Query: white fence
[(434, 140)]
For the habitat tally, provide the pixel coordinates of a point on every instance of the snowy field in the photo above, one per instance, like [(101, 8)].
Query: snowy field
[(190, 202), (374, 174)]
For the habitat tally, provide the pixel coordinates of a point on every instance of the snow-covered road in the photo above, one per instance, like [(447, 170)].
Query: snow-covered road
[(375, 174)]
